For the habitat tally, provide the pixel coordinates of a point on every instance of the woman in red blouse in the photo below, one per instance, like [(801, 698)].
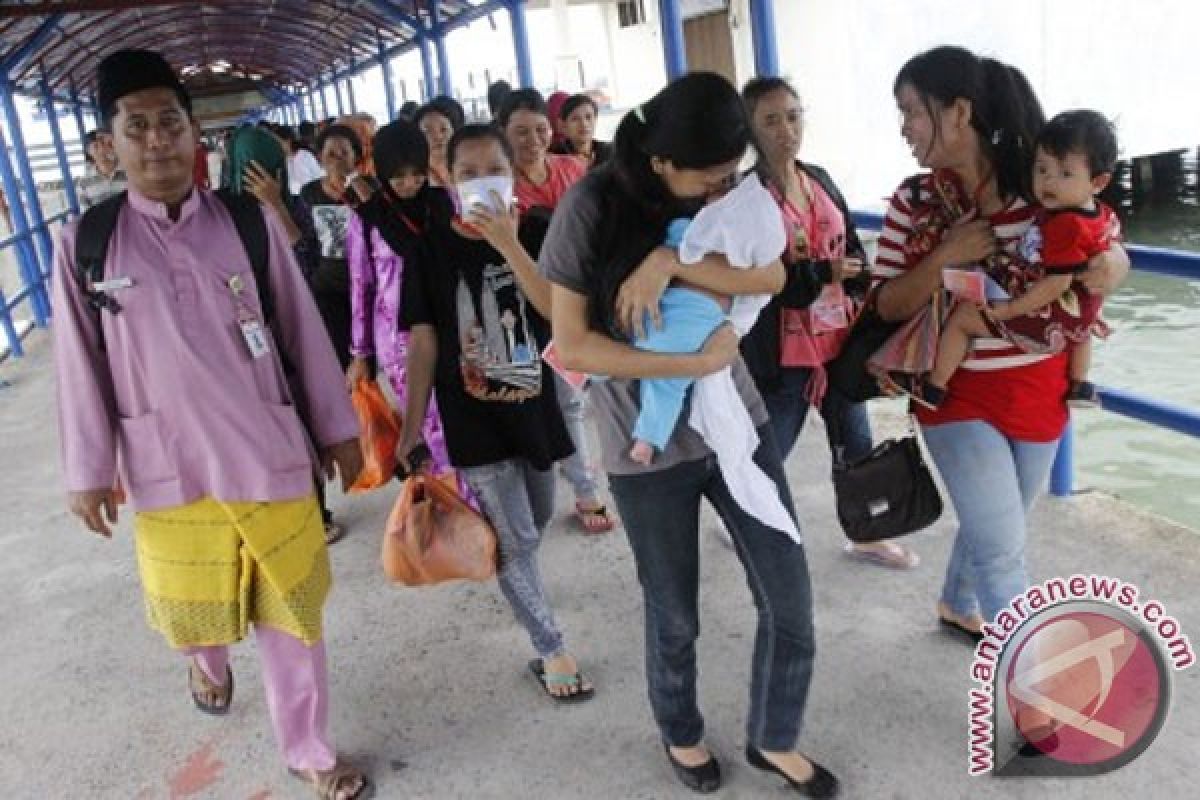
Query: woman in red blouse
[(972, 123)]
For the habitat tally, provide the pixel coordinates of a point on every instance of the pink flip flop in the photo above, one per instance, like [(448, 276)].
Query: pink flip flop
[(893, 556)]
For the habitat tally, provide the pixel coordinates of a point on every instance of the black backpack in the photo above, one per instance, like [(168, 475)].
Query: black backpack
[(96, 228)]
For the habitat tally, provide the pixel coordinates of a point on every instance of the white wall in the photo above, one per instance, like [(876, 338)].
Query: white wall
[(1134, 61)]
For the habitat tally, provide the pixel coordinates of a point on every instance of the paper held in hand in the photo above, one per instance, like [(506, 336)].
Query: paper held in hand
[(577, 379)]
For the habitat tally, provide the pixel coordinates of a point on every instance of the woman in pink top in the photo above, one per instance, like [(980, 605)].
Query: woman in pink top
[(540, 181), (541, 177), (804, 326)]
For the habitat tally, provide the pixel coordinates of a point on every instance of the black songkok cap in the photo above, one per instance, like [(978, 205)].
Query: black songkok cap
[(128, 71)]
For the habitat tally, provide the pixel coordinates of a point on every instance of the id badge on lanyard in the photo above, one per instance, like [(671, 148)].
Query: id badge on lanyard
[(254, 333)]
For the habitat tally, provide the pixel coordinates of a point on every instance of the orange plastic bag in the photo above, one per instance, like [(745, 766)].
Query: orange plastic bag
[(433, 536), (379, 427)]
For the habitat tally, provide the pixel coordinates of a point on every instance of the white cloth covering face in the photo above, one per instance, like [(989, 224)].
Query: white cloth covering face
[(746, 227)]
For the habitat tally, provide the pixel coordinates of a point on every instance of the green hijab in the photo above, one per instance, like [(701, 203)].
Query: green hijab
[(255, 144)]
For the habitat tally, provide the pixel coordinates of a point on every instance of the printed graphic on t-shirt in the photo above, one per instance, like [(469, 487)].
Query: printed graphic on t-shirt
[(501, 360), (330, 223)]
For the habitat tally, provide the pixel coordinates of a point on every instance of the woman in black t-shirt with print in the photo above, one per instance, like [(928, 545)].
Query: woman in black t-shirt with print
[(476, 310), (330, 202)]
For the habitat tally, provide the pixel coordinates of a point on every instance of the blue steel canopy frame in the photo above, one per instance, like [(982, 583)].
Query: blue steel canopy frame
[(58, 42)]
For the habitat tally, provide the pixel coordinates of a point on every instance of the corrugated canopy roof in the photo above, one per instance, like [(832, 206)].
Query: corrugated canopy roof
[(271, 44)]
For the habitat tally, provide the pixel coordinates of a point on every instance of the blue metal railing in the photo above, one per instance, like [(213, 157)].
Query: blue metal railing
[(1156, 260)]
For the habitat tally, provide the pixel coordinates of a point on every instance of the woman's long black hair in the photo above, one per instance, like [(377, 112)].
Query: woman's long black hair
[(1005, 112), (696, 122)]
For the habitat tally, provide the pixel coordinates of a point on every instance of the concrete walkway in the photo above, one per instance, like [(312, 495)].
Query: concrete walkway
[(430, 686)]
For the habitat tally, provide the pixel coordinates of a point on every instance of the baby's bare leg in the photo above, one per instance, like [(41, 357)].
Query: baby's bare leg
[(1081, 360), (964, 324)]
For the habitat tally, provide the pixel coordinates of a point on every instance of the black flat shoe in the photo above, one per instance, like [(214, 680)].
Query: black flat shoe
[(705, 778), (960, 630), (820, 786)]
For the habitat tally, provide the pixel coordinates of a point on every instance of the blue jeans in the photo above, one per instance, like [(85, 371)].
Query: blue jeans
[(992, 481), (578, 467), (519, 500), (661, 512), (787, 404)]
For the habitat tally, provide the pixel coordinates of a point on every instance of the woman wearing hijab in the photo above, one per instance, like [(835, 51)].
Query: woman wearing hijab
[(258, 166), (379, 238)]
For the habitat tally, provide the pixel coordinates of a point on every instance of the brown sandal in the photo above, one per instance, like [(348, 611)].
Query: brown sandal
[(593, 520), (201, 686), (328, 783)]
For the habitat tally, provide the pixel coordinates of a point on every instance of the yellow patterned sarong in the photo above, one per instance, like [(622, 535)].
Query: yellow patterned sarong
[(210, 568)]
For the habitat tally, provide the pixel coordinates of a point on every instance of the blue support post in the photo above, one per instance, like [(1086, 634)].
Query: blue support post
[(762, 26), (445, 79), (350, 101), (520, 34), (385, 65), (45, 30), (41, 235), (337, 96), (427, 65), (324, 103), (77, 110), (674, 51), (10, 330), (59, 149), (1062, 475), (27, 261)]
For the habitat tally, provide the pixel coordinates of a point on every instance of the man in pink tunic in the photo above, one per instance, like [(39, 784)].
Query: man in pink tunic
[(171, 384)]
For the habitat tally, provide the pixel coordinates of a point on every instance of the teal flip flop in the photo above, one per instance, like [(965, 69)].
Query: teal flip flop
[(548, 679)]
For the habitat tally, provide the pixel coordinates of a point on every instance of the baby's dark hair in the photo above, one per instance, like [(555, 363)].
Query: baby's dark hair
[(475, 132), (1081, 131)]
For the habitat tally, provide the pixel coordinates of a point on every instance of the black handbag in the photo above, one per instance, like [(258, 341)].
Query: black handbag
[(847, 372), (886, 494)]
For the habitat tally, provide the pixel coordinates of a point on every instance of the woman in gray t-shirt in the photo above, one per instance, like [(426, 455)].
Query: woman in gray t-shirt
[(603, 253)]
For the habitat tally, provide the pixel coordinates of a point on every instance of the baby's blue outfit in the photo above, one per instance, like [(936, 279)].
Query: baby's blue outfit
[(689, 318)]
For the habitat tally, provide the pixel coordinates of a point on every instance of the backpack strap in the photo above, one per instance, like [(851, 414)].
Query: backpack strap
[(252, 230), (251, 226), (95, 230)]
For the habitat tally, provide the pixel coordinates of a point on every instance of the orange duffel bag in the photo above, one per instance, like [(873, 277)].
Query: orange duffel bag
[(434, 536)]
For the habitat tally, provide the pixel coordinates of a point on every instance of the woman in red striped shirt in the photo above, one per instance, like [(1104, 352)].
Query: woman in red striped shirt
[(972, 123)]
